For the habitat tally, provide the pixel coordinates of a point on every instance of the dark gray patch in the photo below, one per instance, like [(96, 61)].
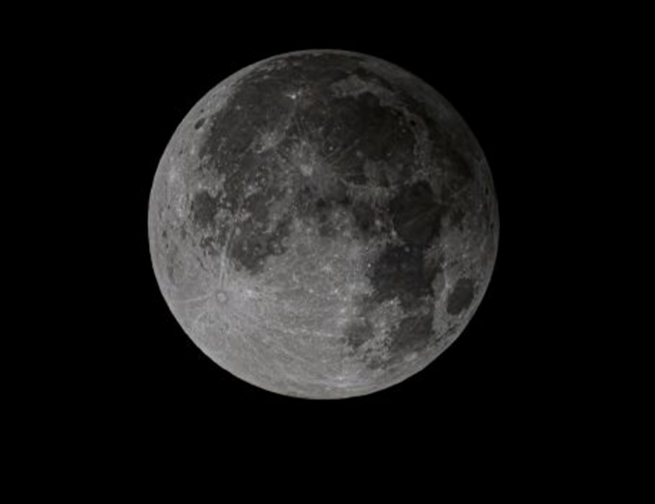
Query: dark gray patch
[(255, 183), (337, 192), (365, 217), (259, 103), (358, 333), (460, 175), (448, 139), (346, 132), (414, 333), (401, 272), (166, 237), (457, 217), (256, 106), (199, 123), (311, 204), (461, 296), (250, 249), (416, 215), (324, 210), (342, 127), (173, 264), (203, 210)]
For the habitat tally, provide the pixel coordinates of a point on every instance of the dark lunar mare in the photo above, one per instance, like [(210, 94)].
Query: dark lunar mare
[(403, 272), (347, 132), (461, 296)]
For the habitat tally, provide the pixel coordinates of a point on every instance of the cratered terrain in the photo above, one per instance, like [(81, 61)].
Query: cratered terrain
[(323, 224)]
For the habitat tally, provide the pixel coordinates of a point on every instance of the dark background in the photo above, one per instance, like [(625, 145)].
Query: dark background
[(507, 376), (535, 397), (491, 368)]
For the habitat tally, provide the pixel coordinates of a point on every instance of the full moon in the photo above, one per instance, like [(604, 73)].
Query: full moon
[(323, 224)]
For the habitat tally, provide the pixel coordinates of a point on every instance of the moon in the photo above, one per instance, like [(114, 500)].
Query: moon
[(323, 224)]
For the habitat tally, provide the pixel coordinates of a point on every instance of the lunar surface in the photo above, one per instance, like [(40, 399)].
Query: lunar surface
[(323, 224)]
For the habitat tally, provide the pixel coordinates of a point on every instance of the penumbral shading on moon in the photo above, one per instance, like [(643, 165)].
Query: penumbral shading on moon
[(323, 224)]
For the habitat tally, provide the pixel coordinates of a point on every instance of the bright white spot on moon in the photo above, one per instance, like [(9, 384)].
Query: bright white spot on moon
[(411, 357), (307, 169)]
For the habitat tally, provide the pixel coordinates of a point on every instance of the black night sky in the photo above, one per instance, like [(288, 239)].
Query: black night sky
[(142, 78)]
